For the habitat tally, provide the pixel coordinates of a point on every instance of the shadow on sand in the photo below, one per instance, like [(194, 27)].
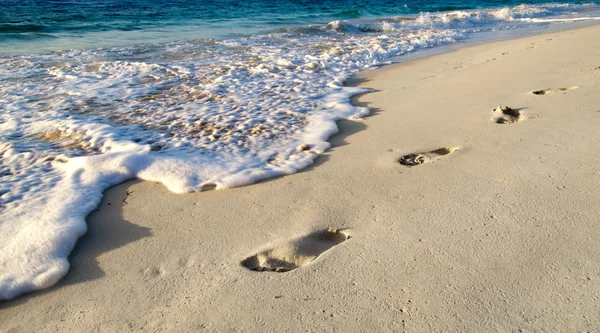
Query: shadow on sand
[(106, 232)]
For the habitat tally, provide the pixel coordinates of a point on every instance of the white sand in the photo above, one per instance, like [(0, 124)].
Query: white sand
[(500, 235)]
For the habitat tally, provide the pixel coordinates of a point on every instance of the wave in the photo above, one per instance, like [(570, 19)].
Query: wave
[(458, 19), (21, 27), (348, 14)]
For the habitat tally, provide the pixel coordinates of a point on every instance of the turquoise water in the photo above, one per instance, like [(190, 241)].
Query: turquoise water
[(33, 25)]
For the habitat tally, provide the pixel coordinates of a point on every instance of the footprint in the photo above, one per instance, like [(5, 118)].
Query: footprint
[(296, 252), (506, 115), (430, 156), (208, 187), (551, 90)]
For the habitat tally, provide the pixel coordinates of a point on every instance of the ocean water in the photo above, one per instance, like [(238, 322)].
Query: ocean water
[(193, 94)]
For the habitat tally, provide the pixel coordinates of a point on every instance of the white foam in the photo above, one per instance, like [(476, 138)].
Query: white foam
[(550, 20), (189, 114)]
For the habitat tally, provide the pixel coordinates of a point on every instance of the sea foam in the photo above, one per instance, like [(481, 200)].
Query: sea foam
[(190, 114)]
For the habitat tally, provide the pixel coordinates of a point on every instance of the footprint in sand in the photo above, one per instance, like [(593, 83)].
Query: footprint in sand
[(551, 90), (296, 252), (430, 156), (506, 115)]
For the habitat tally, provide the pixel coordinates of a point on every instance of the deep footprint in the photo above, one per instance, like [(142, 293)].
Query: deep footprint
[(297, 252), (430, 156), (506, 115), (551, 90)]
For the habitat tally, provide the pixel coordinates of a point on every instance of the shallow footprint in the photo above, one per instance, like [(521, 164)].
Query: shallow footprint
[(297, 252), (506, 115), (551, 90), (430, 156)]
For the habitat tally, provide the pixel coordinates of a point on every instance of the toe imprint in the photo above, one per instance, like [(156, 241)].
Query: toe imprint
[(430, 156)]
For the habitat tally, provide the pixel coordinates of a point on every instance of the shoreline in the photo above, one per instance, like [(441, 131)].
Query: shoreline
[(46, 252), (305, 204)]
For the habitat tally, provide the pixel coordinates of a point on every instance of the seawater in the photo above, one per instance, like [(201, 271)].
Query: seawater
[(193, 94)]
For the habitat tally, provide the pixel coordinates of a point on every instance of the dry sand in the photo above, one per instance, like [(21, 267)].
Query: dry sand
[(500, 234)]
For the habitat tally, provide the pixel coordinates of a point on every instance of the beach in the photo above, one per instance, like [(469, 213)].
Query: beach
[(493, 228)]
